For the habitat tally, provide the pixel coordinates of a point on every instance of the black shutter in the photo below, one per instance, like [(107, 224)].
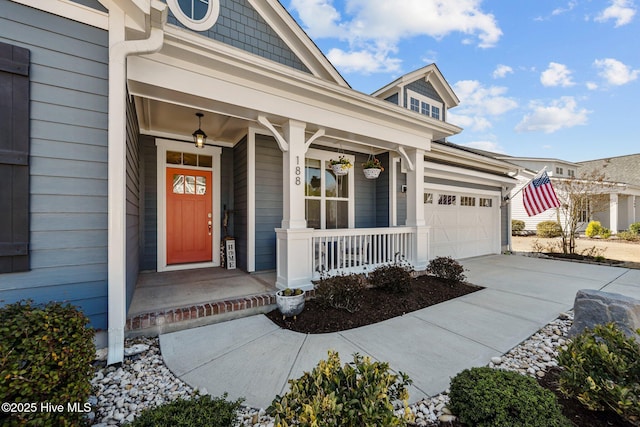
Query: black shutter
[(14, 158)]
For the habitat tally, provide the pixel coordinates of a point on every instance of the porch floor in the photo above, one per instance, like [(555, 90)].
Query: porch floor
[(163, 298)]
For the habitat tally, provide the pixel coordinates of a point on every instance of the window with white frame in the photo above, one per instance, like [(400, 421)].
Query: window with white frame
[(559, 171), (447, 199), (428, 198), (424, 105), (467, 201), (485, 203), (571, 173), (198, 15), (329, 199)]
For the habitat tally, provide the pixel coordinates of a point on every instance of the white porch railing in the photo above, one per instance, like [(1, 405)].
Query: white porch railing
[(360, 250)]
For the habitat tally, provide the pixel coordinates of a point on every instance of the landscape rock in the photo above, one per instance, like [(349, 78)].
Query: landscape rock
[(593, 307)]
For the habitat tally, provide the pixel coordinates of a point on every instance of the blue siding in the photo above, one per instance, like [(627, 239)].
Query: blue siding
[(241, 26), (423, 88), (269, 200), (365, 197), (240, 195), (68, 161), (382, 192), (393, 99), (401, 198), (134, 189), (149, 243), (93, 4), (226, 189)]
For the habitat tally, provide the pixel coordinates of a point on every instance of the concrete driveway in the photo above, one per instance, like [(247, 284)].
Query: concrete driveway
[(254, 358)]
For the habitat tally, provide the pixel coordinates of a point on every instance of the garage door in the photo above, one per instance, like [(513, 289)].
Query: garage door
[(462, 224)]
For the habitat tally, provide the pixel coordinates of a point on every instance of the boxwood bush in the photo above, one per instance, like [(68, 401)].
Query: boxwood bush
[(341, 292), (446, 268), (517, 226), (46, 355), (594, 228), (548, 229), (601, 368), (392, 278), (197, 412), (361, 393), (486, 397)]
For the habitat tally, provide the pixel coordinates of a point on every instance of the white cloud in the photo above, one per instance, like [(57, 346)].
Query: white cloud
[(622, 11), (559, 114), (568, 8), (485, 145), (615, 72), (478, 103), (501, 71), (364, 62), (377, 26), (592, 86), (556, 75)]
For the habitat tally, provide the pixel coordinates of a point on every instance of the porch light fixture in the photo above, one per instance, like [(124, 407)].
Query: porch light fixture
[(199, 137)]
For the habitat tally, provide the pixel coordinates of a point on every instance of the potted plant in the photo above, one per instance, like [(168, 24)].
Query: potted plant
[(372, 168), (290, 302), (340, 166)]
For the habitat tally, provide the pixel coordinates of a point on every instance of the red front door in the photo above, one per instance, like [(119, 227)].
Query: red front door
[(189, 220)]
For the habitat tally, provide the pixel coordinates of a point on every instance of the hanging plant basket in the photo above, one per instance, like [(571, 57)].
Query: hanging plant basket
[(371, 173), (340, 169)]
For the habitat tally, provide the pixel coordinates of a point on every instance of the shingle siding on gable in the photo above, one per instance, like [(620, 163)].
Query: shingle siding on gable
[(241, 26), (68, 161), (393, 99), (423, 88)]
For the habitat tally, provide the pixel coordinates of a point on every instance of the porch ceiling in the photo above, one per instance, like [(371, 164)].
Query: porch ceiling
[(165, 113)]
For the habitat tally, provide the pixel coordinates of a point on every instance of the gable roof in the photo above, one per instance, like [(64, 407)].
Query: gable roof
[(281, 21), (620, 169), (430, 74)]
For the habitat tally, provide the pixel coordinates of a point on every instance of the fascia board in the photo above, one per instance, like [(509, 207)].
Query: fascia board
[(447, 153), (460, 173), (234, 66)]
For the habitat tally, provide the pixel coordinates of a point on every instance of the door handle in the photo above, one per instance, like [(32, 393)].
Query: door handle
[(209, 224)]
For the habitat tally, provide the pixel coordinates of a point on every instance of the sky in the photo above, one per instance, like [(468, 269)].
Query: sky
[(535, 78)]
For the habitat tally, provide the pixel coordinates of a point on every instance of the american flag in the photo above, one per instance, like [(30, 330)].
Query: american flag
[(538, 195)]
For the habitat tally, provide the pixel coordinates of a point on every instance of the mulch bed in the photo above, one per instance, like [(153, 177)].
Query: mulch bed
[(578, 257), (575, 411), (377, 306)]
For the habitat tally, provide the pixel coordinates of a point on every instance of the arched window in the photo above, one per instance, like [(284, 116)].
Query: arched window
[(198, 15)]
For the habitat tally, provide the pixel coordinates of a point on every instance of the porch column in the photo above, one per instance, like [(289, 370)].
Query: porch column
[(613, 212), (293, 247), (415, 208), (634, 209)]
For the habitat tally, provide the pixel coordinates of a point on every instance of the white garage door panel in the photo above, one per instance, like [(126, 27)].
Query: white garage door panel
[(462, 231)]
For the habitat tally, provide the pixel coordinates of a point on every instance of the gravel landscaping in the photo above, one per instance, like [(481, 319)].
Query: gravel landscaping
[(144, 381)]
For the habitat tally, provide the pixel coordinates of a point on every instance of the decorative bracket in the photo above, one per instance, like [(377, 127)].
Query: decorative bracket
[(405, 157), (284, 146), (319, 133)]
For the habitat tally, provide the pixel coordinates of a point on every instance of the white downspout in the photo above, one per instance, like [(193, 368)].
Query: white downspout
[(119, 49)]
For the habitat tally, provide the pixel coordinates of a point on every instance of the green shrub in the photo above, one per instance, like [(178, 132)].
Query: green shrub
[(517, 226), (548, 229), (635, 228), (46, 354), (341, 292), (446, 268), (601, 368), (629, 236), (199, 411), (488, 397), (605, 233), (594, 228), (360, 393), (392, 278)]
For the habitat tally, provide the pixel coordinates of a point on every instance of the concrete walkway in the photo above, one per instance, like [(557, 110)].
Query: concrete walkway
[(254, 358)]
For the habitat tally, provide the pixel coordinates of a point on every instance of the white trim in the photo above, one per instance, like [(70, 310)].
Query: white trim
[(70, 10), (251, 200), (210, 18), (427, 100), (393, 193), (164, 145), (324, 157), (431, 188), (462, 174)]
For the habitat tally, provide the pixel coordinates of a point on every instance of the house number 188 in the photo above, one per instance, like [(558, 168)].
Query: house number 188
[(298, 178)]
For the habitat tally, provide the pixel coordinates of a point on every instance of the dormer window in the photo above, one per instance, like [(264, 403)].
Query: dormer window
[(424, 105)]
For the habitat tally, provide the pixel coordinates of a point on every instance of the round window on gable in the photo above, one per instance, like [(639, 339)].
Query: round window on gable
[(198, 15)]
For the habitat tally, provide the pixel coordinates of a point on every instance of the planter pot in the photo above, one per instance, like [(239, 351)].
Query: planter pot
[(340, 169), (371, 173), (290, 306)]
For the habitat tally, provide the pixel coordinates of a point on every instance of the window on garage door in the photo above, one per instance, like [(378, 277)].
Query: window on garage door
[(447, 199)]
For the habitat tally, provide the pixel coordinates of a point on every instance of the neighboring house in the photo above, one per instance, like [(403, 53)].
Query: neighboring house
[(99, 106), (621, 186)]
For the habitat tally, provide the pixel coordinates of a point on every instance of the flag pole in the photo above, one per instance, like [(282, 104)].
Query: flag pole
[(508, 198)]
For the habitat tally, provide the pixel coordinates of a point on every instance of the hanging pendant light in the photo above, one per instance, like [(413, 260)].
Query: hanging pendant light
[(199, 137)]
